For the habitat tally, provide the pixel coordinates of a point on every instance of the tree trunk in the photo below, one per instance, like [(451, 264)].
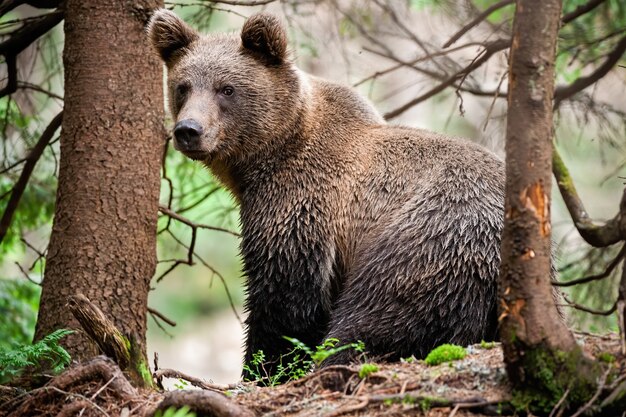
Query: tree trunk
[(103, 241), (541, 355)]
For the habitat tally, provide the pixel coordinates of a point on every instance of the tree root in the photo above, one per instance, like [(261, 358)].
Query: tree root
[(110, 340), (99, 388), (203, 403)]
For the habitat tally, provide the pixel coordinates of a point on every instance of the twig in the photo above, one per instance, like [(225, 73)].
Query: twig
[(82, 397), (29, 86), (595, 396), (25, 273), (102, 388), (482, 16), (298, 405), (19, 40), (363, 402), (495, 97), (161, 316), (490, 49), (433, 74), (607, 272), (243, 2), (581, 10), (196, 382), (159, 380), (564, 92), (194, 225), (557, 406), (191, 253), (408, 63), (572, 304), (29, 166)]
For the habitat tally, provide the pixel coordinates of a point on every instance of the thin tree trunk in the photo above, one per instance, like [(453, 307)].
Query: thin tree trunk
[(541, 355), (103, 241)]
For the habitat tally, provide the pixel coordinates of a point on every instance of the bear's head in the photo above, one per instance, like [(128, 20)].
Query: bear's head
[(231, 97)]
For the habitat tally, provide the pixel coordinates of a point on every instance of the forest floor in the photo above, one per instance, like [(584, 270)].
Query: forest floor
[(476, 386)]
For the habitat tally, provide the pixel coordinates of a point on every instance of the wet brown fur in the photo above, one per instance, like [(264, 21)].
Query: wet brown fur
[(351, 228)]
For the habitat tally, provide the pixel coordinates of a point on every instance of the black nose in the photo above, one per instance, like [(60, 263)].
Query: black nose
[(187, 133)]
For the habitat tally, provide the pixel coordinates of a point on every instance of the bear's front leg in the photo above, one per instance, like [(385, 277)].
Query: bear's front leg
[(289, 294)]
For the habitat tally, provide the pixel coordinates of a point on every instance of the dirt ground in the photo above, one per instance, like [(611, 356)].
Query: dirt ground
[(476, 386)]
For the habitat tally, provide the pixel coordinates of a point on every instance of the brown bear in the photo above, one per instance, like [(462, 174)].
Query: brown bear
[(351, 228)]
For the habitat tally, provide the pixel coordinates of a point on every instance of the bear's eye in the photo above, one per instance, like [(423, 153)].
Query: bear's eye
[(228, 90), (181, 90)]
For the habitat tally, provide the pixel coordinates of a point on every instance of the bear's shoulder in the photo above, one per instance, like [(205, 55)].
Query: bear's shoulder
[(339, 102)]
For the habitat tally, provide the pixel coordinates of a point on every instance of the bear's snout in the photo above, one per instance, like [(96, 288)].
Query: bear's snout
[(187, 134)]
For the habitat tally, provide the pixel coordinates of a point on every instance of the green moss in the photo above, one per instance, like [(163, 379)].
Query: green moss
[(605, 357), (487, 345), (547, 375), (445, 353), (425, 404), (562, 173), (367, 369), (138, 368), (144, 372)]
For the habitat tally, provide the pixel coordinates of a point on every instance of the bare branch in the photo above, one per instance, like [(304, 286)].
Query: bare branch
[(193, 225), (598, 235), (563, 92), (607, 272), (490, 49), (34, 87), (572, 304), (242, 2), (29, 166), (482, 16), (11, 86), (160, 315), (196, 382), (20, 40), (581, 10)]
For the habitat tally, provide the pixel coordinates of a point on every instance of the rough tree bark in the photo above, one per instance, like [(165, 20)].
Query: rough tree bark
[(542, 358), (103, 241)]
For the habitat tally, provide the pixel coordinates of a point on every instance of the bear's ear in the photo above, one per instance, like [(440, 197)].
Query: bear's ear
[(265, 35), (169, 34)]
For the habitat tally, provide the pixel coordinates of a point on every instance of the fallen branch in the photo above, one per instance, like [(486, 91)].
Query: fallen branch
[(196, 382), (108, 337)]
